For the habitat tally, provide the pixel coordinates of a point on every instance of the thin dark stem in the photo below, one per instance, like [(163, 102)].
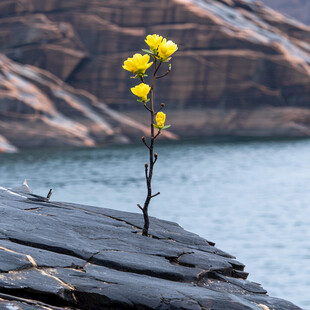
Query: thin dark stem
[(155, 158), (146, 171), (149, 169), (155, 195), (154, 76), (144, 142), (157, 134), (147, 108), (161, 76), (49, 194), (161, 107)]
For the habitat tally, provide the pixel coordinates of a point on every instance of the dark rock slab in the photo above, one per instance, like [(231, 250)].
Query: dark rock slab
[(66, 256)]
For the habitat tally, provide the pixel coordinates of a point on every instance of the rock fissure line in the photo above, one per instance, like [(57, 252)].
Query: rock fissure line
[(108, 216), (28, 301), (46, 247), (29, 294)]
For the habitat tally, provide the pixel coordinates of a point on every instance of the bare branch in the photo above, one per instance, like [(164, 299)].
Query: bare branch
[(161, 107), (49, 194), (147, 108), (157, 134), (157, 69), (161, 76), (155, 195), (155, 156), (140, 207), (144, 142)]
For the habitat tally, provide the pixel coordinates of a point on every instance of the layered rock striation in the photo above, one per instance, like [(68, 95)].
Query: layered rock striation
[(67, 256), (37, 109), (241, 68), (298, 9)]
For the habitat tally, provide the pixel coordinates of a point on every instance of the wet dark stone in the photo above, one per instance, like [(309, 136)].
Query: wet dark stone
[(67, 256)]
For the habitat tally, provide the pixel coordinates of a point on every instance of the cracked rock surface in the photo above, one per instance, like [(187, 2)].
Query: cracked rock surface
[(67, 256)]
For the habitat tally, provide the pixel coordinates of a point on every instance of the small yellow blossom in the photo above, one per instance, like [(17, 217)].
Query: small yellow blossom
[(160, 119), (138, 64), (166, 49), (153, 41), (141, 91)]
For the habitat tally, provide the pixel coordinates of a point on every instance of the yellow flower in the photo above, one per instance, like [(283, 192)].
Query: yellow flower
[(160, 119), (141, 91), (166, 49), (153, 41), (138, 64)]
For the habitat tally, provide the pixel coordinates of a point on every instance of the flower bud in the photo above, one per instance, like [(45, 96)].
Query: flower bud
[(146, 165), (155, 155), (143, 138), (162, 105), (160, 119)]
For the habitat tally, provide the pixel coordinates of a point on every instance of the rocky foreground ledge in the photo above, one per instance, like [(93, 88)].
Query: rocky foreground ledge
[(67, 256)]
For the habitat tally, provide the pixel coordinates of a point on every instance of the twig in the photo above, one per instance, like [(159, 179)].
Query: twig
[(147, 108), (161, 107), (155, 195), (155, 156), (144, 142), (161, 76), (49, 195), (157, 134), (140, 207), (157, 69)]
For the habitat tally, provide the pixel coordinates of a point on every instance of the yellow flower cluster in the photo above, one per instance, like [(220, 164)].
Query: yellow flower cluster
[(160, 120), (161, 48), (138, 64), (141, 91)]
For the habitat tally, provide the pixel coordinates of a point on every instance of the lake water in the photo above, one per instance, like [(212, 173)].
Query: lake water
[(250, 197)]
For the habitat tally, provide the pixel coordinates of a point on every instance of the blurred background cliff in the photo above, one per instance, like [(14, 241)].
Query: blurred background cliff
[(242, 69)]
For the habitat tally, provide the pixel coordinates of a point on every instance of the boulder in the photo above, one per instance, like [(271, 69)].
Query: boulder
[(67, 256)]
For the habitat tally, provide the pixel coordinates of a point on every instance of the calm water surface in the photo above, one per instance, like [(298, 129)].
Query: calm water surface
[(251, 198)]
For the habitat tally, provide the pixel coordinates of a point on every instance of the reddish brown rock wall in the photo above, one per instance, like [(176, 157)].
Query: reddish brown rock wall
[(234, 55), (298, 9)]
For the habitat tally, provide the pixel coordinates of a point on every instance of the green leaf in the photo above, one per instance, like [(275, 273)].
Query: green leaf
[(156, 127), (148, 52), (167, 59), (143, 101), (167, 126)]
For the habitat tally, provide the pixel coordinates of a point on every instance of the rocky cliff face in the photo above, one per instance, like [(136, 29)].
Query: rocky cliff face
[(241, 68), (298, 9), (39, 110)]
